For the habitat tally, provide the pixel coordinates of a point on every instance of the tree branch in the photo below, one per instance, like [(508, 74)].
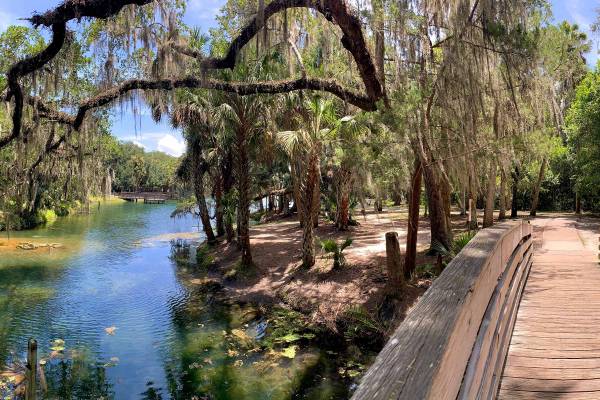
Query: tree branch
[(242, 89), (336, 11)]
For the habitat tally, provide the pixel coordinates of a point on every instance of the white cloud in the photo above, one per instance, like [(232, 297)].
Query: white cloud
[(139, 144), (171, 145)]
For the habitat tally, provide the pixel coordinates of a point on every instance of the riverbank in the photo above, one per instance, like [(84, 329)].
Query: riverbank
[(352, 297)]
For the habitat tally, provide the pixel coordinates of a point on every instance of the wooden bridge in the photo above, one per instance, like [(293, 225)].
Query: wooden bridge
[(507, 319), (147, 197)]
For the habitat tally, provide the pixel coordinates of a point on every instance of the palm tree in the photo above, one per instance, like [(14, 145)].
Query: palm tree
[(304, 149), (195, 113), (244, 117)]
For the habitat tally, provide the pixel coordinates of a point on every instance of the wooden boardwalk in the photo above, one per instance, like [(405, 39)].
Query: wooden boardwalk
[(555, 347)]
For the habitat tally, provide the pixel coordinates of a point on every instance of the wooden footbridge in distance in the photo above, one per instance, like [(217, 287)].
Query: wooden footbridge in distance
[(507, 319), (147, 197)]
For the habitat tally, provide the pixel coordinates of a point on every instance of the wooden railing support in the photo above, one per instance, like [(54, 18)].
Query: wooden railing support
[(30, 390), (453, 344)]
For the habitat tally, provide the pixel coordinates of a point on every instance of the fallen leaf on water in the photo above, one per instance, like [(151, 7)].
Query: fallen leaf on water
[(57, 345), (208, 361), (232, 353), (110, 330), (114, 359), (238, 363)]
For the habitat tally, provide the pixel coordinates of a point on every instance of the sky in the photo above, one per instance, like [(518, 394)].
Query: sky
[(201, 13)]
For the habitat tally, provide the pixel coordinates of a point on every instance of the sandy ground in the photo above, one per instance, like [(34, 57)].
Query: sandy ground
[(326, 294)]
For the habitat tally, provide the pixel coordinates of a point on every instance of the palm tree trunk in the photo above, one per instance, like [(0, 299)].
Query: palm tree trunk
[(410, 257), (535, 199), (343, 186), (243, 170), (201, 201), (316, 195), (308, 205), (219, 205)]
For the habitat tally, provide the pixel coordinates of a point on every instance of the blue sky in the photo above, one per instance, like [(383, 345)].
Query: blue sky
[(201, 13)]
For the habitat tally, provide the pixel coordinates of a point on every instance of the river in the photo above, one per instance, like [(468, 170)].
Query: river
[(114, 319)]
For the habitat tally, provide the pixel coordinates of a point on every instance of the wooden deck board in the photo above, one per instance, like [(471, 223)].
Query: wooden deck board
[(555, 347)]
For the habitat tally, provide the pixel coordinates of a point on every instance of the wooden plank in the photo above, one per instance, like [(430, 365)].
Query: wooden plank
[(524, 395), (552, 385), (568, 363), (551, 373)]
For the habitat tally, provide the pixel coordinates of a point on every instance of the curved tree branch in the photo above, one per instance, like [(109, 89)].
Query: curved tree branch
[(336, 11), (242, 89), (77, 9)]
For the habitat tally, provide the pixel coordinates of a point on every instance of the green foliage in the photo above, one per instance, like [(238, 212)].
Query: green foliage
[(136, 169), (204, 257), (583, 124), (330, 246), (425, 271), (359, 324), (461, 240), (47, 216), (187, 206)]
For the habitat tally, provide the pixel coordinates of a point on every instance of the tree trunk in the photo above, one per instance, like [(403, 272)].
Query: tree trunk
[(285, 201), (502, 213), (462, 197), (201, 201), (261, 206), (410, 257), (440, 231), (472, 222), (394, 261), (516, 175), (535, 199), (316, 196), (311, 184), (219, 205), (490, 197), (271, 203), (199, 169), (577, 203), (243, 170), (342, 194), (379, 33)]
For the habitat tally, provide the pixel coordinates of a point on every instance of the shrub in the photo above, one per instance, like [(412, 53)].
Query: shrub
[(331, 246)]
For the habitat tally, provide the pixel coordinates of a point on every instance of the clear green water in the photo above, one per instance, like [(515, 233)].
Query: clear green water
[(171, 341)]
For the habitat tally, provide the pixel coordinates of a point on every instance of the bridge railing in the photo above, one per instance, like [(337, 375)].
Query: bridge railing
[(453, 344)]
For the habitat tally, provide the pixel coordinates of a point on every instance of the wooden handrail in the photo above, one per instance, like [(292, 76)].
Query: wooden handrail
[(453, 344)]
